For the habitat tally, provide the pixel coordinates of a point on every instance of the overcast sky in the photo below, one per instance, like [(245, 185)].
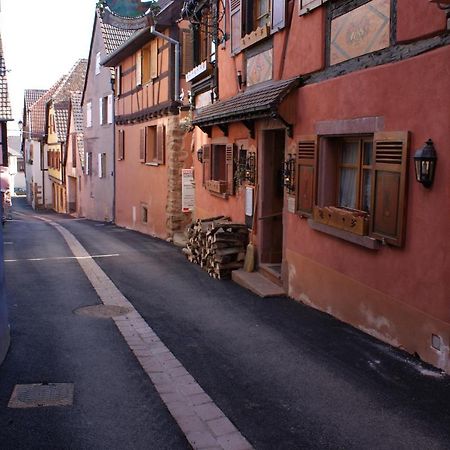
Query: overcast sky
[(42, 40)]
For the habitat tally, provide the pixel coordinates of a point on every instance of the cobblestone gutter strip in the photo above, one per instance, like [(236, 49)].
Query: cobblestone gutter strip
[(203, 423)]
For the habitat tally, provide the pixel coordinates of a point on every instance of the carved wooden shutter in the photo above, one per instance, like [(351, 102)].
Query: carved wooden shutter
[(187, 50), (235, 25), (121, 144), (160, 144), (154, 59), (206, 163), (229, 168), (139, 68), (306, 174), (278, 11), (142, 145), (389, 187)]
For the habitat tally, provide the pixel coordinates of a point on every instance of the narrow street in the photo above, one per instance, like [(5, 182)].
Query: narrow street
[(285, 375)]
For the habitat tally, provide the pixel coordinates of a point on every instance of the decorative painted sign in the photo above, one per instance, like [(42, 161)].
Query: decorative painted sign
[(360, 31), (128, 8), (259, 67), (187, 190)]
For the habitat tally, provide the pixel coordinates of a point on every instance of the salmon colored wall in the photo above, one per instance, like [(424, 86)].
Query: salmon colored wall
[(138, 183), (207, 204), (417, 19), (305, 52), (416, 275)]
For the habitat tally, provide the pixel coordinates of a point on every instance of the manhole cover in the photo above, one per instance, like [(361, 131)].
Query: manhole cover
[(41, 395), (102, 311)]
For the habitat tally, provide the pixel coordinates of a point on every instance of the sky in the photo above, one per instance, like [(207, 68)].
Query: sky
[(42, 40)]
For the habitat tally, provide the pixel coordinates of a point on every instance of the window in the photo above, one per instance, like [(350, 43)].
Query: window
[(101, 165), (97, 63), (218, 168), (152, 145), (148, 62), (354, 174), (247, 16), (359, 179), (31, 151), (88, 163), (105, 108), (121, 145), (144, 213), (74, 150), (89, 114)]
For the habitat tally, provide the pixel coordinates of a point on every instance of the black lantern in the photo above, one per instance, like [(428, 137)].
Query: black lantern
[(425, 164), (200, 154)]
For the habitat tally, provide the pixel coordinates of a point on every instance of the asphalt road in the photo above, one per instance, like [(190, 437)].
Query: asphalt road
[(287, 376)]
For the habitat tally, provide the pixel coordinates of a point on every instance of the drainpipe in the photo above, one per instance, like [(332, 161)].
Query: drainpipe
[(177, 59)]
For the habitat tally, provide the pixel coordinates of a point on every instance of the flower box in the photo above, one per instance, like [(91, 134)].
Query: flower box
[(347, 219), (219, 187)]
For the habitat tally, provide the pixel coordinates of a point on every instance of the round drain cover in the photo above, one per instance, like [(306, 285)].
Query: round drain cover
[(102, 311)]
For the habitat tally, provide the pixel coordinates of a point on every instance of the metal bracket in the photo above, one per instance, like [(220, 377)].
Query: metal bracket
[(224, 128), (288, 126), (250, 125)]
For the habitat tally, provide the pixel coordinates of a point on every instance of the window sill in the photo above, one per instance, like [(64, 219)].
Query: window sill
[(153, 164), (363, 241), (216, 194)]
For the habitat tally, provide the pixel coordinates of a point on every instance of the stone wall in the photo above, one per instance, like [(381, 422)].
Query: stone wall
[(178, 157)]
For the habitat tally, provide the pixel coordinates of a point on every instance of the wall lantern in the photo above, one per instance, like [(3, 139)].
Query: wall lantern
[(240, 79), (200, 154), (425, 164)]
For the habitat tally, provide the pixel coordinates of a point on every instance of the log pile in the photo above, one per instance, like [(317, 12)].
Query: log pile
[(217, 245)]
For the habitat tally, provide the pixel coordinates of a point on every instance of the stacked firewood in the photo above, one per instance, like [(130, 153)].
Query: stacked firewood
[(217, 244)]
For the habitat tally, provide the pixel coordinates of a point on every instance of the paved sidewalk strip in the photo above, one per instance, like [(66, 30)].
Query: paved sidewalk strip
[(203, 423)]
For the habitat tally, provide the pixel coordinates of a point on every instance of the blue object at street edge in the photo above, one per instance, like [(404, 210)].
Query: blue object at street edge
[(4, 327)]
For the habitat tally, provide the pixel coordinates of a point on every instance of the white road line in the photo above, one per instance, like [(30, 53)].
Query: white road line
[(202, 422), (59, 258)]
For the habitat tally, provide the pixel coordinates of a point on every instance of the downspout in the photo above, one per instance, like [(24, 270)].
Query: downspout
[(177, 59), (113, 218)]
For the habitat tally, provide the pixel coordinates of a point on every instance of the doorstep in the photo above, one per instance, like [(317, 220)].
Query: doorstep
[(257, 283)]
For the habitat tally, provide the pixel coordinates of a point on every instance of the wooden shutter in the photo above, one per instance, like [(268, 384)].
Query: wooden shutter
[(139, 68), (206, 163), (142, 145), (100, 110), (118, 80), (110, 108), (187, 50), (154, 59), (278, 11), (306, 174), (389, 187), (121, 144), (100, 165), (235, 25), (229, 168), (160, 144)]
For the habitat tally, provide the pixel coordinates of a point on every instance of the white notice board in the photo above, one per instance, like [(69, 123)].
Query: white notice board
[(187, 190)]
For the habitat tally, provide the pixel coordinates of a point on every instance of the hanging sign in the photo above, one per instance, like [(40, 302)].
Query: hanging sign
[(187, 190)]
